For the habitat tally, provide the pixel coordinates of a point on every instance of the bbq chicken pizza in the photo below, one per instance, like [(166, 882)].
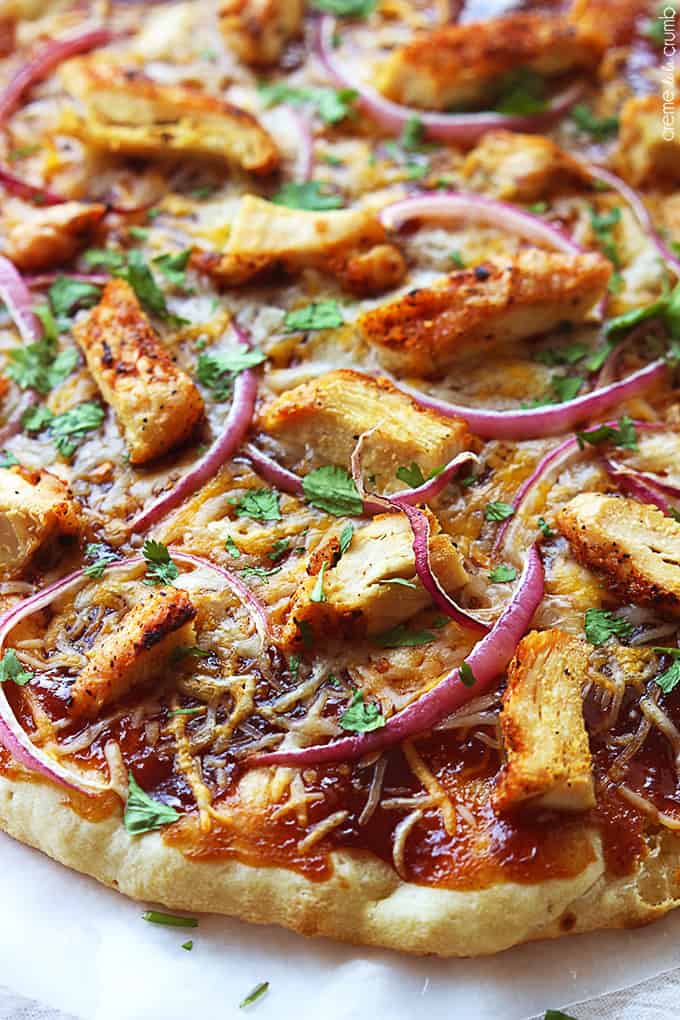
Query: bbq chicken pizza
[(340, 460)]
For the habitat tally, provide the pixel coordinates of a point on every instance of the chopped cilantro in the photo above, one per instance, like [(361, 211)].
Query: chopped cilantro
[(172, 920), (232, 548), (399, 581), (603, 225), (457, 259), (136, 272), (216, 371), (599, 127), (257, 993), (361, 717), (467, 677), (411, 475), (260, 505), (624, 436), (261, 573), (498, 511), (188, 945), (601, 624), (294, 665), (568, 355), (143, 814), (279, 549), (67, 295), (333, 105), (317, 593), (319, 315), (22, 152), (68, 428), (160, 568), (545, 528), (566, 387), (346, 8), (39, 366), (538, 207), (105, 258), (670, 678), (346, 536), (7, 459), (597, 359), (36, 418), (174, 266), (522, 92), (502, 573), (139, 233), (307, 195), (306, 632), (401, 637), (100, 557), (412, 134), (330, 488), (11, 669), (175, 712)]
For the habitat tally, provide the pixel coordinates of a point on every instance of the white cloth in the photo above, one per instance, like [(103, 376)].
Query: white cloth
[(656, 999)]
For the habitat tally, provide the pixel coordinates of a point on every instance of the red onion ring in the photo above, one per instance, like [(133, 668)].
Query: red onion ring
[(633, 483), (537, 423), (641, 213), (304, 161), (12, 735), (13, 426), (267, 468), (19, 301), (465, 128), (39, 66), (475, 208), (46, 279), (30, 192), (236, 427), (487, 660)]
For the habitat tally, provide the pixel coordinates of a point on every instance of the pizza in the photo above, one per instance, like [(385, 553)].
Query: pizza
[(339, 485)]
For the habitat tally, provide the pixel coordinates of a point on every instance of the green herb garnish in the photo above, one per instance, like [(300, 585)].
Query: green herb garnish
[(171, 920), (260, 505), (503, 573), (308, 195), (100, 557), (498, 511), (257, 993), (160, 568), (330, 488), (601, 624), (624, 436), (12, 669), (143, 814), (319, 315), (361, 717)]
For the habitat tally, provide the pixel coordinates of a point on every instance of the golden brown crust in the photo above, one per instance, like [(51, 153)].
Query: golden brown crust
[(157, 404)]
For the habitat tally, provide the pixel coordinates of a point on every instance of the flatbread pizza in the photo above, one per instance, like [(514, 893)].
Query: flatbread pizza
[(339, 487)]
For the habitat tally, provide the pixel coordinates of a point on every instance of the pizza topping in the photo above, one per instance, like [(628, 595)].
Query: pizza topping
[(160, 568), (257, 993), (126, 112), (635, 546), (431, 329), (133, 655), (35, 509), (521, 168), (11, 669), (36, 239), (548, 761), (172, 920), (143, 814), (258, 30)]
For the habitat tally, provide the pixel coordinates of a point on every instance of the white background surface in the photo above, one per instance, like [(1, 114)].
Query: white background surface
[(68, 942)]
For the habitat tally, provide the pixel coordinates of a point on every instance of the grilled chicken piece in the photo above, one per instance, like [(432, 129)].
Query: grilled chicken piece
[(329, 413), (358, 596), (471, 312), (462, 65), (265, 237), (35, 508), (135, 653), (257, 30), (613, 19), (156, 403), (126, 112), (38, 238), (635, 546), (548, 761), (649, 141), (523, 168)]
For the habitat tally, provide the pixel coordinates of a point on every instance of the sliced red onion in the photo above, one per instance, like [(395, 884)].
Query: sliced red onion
[(225, 446), (39, 66), (304, 159), (38, 280), (641, 213), (550, 420), (473, 208), (465, 128), (487, 661), (633, 483), (659, 482), (19, 301), (11, 427), (30, 192), (267, 468), (12, 735), (433, 486)]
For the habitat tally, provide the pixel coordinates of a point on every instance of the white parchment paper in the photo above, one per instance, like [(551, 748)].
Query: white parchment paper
[(75, 945)]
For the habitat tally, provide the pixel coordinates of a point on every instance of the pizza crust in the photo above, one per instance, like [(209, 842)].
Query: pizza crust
[(364, 901)]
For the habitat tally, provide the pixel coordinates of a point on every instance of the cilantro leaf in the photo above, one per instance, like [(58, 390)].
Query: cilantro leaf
[(412, 134), (601, 624), (401, 637), (567, 355), (625, 322), (346, 536), (457, 259), (545, 528), (232, 548), (361, 717), (36, 418), (189, 945), (7, 459), (670, 678), (498, 511), (279, 549), (68, 428), (603, 225), (404, 582), (503, 573), (257, 993), (260, 505), (411, 475), (317, 593), (467, 677), (333, 105), (624, 436), (307, 195), (160, 568), (260, 572), (523, 91), (171, 920), (330, 488), (599, 127), (216, 371), (174, 266), (11, 669), (67, 295), (141, 279), (101, 556), (106, 258), (319, 315), (566, 387), (39, 366)]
